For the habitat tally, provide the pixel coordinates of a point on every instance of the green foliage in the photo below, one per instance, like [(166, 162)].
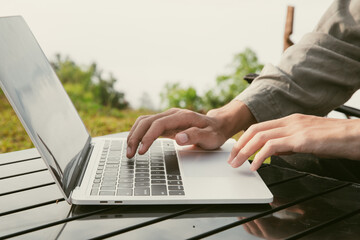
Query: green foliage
[(181, 97), (227, 87), (104, 121), (87, 87)]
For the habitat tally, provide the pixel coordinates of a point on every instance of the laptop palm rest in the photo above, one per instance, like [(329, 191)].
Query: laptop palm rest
[(206, 164)]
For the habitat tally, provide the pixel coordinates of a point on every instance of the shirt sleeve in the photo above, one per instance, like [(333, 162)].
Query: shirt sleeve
[(317, 74)]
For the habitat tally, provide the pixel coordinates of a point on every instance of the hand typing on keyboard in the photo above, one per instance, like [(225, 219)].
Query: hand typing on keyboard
[(208, 131)]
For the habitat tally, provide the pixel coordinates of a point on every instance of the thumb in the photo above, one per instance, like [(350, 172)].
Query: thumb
[(190, 136)]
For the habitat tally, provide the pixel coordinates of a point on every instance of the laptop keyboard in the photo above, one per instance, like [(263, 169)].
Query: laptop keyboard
[(156, 173)]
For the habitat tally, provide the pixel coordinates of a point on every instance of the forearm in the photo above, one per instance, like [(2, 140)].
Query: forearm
[(317, 74), (234, 117)]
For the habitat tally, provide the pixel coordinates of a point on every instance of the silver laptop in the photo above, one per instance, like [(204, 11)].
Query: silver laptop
[(96, 171)]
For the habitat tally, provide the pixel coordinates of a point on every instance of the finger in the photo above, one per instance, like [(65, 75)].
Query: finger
[(272, 147), (153, 117), (136, 124), (134, 144), (259, 127), (179, 120), (198, 136), (141, 127), (256, 143)]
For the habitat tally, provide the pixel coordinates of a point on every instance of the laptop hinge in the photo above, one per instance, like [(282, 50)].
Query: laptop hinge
[(86, 162)]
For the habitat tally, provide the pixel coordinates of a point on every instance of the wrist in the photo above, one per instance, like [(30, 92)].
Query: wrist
[(233, 117)]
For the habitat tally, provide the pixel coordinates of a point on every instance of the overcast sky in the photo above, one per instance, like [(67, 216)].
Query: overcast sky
[(146, 43)]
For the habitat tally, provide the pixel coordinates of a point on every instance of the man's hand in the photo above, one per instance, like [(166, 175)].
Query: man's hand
[(208, 131), (298, 134)]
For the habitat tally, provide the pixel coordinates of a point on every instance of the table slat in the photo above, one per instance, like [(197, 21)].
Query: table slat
[(345, 229), (25, 181), (299, 218), (6, 158), (33, 217), (21, 168), (27, 198)]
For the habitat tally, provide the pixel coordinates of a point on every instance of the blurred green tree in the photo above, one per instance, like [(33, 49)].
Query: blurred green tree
[(227, 87), (86, 86), (175, 96)]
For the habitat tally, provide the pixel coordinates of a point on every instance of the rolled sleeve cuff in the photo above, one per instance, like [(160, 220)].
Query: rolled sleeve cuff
[(260, 102)]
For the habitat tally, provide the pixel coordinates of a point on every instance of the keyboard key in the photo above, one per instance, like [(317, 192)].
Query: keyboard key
[(142, 192), (142, 170), (157, 177), (142, 165), (109, 193), (142, 175), (124, 192), (97, 180), (157, 165), (110, 179), (173, 177), (127, 167), (127, 176), (176, 193), (126, 180), (157, 172), (125, 185), (111, 170), (115, 148), (112, 165), (110, 174), (126, 172), (158, 181), (172, 165), (98, 176), (175, 183), (142, 184), (179, 187), (117, 162), (157, 168), (142, 161), (158, 190), (157, 160), (142, 179), (108, 184), (108, 188), (124, 163)]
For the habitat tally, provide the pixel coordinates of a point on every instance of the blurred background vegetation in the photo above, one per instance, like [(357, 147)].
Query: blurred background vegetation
[(105, 109)]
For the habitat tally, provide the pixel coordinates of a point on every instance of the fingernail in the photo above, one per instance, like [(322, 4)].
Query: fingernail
[(252, 167), (141, 148), (182, 137), (128, 151), (233, 163)]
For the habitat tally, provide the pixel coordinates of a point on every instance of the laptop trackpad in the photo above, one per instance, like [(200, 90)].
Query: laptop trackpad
[(206, 164)]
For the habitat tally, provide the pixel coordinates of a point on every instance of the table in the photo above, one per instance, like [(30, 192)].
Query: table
[(305, 206)]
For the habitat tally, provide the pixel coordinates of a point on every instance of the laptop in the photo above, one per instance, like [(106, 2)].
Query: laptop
[(96, 171)]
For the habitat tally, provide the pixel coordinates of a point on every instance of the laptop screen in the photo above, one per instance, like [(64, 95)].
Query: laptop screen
[(41, 102)]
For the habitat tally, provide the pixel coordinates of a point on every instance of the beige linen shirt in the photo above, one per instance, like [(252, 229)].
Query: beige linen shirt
[(317, 74)]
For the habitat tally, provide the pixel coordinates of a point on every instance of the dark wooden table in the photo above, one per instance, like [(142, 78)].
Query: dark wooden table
[(305, 206)]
